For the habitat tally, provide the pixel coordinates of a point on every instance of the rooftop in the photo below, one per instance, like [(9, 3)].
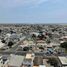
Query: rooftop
[(42, 66), (63, 60), (29, 56), (16, 60)]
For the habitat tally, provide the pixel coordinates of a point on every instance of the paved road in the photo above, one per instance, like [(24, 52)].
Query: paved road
[(13, 51), (24, 53), (20, 53), (15, 46)]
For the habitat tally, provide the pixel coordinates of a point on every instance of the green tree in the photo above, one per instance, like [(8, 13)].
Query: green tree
[(48, 41), (10, 43), (33, 35), (3, 41), (26, 49), (63, 45)]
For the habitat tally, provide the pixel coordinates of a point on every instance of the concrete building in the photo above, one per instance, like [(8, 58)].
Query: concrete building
[(62, 61), (28, 61), (42, 66), (15, 61)]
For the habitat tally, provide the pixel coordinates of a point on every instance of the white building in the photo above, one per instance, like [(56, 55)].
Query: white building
[(42, 66), (63, 61)]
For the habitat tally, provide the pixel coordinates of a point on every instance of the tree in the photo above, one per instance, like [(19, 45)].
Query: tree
[(3, 41), (0, 30), (41, 36), (63, 45), (10, 43), (50, 35), (53, 62), (48, 41), (41, 47), (11, 32), (33, 35), (26, 49)]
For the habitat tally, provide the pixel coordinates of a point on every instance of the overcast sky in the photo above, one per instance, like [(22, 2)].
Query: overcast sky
[(33, 11)]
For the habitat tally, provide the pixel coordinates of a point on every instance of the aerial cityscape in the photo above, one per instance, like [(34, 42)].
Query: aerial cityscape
[(33, 45), (33, 33)]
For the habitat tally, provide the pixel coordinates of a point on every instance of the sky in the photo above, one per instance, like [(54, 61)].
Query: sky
[(33, 11)]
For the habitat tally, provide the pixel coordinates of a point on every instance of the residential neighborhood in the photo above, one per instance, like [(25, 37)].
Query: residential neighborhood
[(31, 45)]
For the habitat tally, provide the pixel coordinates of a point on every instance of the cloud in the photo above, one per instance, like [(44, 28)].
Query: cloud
[(14, 3)]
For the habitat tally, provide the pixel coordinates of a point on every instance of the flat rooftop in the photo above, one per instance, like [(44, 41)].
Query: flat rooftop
[(63, 60), (40, 66), (15, 60), (29, 56)]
